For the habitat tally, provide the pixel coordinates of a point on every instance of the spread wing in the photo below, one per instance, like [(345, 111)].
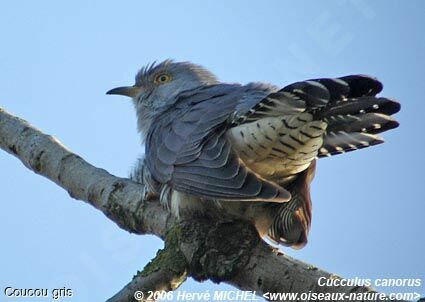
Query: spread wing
[(187, 148)]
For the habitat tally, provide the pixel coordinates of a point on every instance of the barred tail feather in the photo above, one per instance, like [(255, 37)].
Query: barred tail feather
[(369, 123), (350, 132), (355, 122), (341, 142)]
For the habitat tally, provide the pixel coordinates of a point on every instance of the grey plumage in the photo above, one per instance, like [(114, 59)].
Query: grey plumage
[(248, 151)]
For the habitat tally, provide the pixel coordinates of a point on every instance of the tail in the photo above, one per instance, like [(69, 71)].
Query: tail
[(354, 114)]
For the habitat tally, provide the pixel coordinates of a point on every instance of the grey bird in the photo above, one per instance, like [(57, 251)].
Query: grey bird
[(225, 151)]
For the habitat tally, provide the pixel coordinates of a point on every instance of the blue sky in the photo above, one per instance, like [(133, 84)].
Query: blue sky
[(57, 60)]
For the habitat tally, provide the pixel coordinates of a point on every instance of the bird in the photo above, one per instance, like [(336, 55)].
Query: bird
[(230, 151)]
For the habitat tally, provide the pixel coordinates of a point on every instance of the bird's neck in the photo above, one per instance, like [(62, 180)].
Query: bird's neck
[(146, 116), (144, 121)]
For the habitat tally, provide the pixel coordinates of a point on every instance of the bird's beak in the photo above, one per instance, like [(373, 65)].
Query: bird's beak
[(131, 91)]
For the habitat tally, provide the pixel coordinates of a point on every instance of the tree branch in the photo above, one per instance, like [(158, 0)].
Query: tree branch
[(230, 252), (164, 273), (118, 198)]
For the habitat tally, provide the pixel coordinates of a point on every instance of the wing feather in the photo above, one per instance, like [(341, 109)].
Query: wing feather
[(187, 148)]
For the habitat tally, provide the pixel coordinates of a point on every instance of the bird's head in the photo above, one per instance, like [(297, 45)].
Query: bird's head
[(158, 85)]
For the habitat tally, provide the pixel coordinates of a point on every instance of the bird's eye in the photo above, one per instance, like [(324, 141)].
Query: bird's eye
[(162, 78)]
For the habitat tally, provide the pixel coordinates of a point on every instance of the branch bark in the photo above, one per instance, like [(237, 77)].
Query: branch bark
[(230, 252)]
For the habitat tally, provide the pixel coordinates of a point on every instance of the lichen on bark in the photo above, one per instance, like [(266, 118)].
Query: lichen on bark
[(218, 250), (170, 257)]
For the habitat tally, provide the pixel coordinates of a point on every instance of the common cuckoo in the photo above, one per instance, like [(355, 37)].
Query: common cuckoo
[(224, 151)]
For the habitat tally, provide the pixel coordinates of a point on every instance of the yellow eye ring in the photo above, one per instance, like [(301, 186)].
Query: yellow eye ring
[(162, 78)]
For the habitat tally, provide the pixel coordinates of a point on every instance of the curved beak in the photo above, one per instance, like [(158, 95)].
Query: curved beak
[(131, 91)]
